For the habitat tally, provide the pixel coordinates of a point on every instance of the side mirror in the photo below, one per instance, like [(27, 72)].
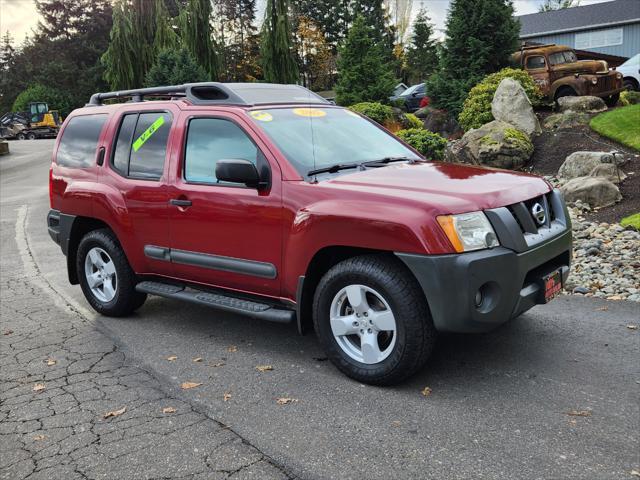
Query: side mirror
[(237, 170)]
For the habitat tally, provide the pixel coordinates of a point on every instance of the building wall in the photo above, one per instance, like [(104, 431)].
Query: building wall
[(630, 41)]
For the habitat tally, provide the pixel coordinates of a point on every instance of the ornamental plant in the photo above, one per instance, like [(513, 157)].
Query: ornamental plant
[(377, 112), (429, 144), (476, 110)]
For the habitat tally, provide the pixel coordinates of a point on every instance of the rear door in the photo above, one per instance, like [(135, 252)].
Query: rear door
[(224, 234)]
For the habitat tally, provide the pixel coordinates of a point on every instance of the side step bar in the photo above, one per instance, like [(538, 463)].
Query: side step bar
[(241, 306)]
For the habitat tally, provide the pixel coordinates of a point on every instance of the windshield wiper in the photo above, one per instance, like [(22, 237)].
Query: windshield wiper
[(333, 168), (385, 160)]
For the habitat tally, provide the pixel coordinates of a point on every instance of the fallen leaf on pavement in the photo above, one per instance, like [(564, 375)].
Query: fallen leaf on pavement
[(197, 360), (286, 400), (395, 423), (8, 332), (115, 413), (426, 391), (264, 368), (38, 438), (226, 396), (50, 362), (172, 358), (38, 387), (579, 413), (602, 309), (632, 327), (232, 349), (188, 385), (635, 473), (572, 422), (215, 365), (168, 410)]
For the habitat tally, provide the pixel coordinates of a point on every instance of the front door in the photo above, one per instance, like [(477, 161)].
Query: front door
[(224, 234)]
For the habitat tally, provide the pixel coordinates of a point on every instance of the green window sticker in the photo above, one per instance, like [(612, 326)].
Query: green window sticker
[(146, 135)]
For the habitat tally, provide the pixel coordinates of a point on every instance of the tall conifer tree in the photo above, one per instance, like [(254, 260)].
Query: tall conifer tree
[(422, 55), (276, 46)]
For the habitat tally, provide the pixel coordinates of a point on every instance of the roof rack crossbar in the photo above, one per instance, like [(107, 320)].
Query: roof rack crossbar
[(226, 95)]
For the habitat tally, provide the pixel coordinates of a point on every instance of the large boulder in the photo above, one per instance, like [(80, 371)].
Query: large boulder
[(495, 144), (584, 104), (596, 191), (566, 120), (609, 171), (510, 104), (440, 122), (580, 164)]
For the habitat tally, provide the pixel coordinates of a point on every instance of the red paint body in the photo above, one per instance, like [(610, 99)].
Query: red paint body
[(393, 208)]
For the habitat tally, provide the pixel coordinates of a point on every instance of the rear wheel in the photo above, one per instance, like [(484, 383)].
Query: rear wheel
[(372, 320), (612, 100), (31, 136), (107, 280)]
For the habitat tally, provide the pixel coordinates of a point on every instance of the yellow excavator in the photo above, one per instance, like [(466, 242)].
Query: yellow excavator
[(37, 122)]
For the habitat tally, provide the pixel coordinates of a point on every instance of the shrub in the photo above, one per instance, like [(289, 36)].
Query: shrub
[(175, 67), (629, 97), (56, 99), (413, 121), (632, 221), (429, 144), (375, 111), (476, 110)]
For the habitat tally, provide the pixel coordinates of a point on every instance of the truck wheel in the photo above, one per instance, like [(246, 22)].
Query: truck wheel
[(107, 281), (21, 136), (564, 92), (612, 100), (630, 84), (372, 320), (31, 136)]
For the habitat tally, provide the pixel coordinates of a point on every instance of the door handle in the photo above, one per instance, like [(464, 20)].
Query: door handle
[(178, 202)]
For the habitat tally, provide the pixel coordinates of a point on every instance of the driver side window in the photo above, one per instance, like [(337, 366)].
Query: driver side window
[(535, 62), (210, 140)]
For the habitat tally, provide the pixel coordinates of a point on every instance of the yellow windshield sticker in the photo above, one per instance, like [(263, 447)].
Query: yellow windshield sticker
[(261, 116), (309, 112), (146, 135)]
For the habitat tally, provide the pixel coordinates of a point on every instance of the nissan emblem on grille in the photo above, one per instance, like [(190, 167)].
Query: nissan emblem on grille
[(537, 211)]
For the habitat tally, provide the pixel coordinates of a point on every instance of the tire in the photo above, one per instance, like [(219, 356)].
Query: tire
[(31, 136), (564, 92), (21, 136), (388, 288), (630, 84), (112, 292), (612, 100)]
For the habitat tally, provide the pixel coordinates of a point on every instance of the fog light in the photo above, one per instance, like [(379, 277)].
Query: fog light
[(479, 298)]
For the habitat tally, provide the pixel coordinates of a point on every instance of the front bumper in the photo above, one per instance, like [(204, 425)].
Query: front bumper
[(509, 278)]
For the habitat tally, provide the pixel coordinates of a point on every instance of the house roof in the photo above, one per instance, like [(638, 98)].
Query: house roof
[(586, 17)]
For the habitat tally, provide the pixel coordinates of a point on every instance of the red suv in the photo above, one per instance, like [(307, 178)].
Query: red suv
[(266, 200)]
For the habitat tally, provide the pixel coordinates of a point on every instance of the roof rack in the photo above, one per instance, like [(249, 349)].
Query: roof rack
[(216, 93)]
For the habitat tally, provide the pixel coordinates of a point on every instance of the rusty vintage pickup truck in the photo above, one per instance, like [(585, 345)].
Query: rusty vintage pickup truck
[(558, 72)]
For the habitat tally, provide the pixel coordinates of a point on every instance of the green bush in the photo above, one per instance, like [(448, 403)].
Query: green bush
[(476, 110), (632, 221), (429, 144), (414, 122), (375, 111), (629, 97), (56, 99)]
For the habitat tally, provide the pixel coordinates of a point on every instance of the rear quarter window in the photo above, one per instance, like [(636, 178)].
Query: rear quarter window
[(79, 141)]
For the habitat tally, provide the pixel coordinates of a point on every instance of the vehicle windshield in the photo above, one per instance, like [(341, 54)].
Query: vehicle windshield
[(633, 61), (568, 56), (313, 138), (410, 90)]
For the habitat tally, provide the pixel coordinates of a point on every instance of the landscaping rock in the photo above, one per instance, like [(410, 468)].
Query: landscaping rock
[(440, 122), (584, 104), (581, 164), (596, 191), (495, 144), (566, 120), (510, 104), (608, 171)]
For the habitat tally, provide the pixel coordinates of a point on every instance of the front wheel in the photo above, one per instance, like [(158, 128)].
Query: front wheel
[(372, 320), (107, 280)]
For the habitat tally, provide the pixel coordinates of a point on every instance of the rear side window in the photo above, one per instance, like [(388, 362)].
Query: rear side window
[(79, 141), (141, 145)]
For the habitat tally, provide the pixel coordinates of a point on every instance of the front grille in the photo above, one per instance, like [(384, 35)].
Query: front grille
[(523, 213), (606, 82)]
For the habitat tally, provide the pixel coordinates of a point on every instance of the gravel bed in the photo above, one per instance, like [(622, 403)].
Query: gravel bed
[(606, 259)]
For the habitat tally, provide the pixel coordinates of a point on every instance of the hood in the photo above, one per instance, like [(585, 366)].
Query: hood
[(445, 188), (583, 67)]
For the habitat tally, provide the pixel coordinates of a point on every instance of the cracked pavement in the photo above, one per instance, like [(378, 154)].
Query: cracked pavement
[(502, 404), (59, 376)]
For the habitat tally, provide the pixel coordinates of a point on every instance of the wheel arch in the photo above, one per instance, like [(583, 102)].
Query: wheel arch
[(79, 228), (562, 88)]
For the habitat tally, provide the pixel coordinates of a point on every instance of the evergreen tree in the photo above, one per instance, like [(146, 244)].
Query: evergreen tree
[(481, 35), (197, 35), (276, 49), (331, 16), (120, 58), (175, 67), (365, 73), (165, 37), (238, 35), (422, 54)]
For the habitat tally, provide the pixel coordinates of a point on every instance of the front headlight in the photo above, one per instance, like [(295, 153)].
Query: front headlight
[(469, 231), (594, 81)]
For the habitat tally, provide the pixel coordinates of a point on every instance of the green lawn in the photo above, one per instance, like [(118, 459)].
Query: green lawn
[(621, 125)]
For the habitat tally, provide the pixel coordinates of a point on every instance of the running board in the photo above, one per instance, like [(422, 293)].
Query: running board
[(241, 306)]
